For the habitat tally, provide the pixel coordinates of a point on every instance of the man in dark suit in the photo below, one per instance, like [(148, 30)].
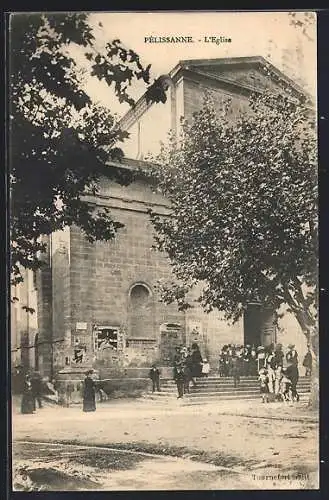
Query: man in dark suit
[(154, 375), (179, 378)]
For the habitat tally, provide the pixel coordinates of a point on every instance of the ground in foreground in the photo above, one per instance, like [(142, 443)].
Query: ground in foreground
[(228, 446)]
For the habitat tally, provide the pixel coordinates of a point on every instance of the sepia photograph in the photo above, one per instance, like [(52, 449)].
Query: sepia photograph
[(163, 177)]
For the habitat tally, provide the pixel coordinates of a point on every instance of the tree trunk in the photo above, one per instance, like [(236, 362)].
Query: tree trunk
[(309, 326), (315, 385)]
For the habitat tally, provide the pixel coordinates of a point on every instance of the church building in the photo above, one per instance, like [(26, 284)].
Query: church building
[(97, 303)]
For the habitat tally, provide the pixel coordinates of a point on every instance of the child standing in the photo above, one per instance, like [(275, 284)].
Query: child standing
[(277, 381), (264, 381), (285, 387), (179, 378), (205, 368)]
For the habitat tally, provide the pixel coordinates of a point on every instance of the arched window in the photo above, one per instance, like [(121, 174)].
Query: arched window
[(140, 312)]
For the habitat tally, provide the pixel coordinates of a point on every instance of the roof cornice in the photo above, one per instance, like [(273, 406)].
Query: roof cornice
[(195, 66), (128, 164)]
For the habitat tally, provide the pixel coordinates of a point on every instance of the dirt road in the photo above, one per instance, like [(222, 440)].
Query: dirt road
[(258, 451)]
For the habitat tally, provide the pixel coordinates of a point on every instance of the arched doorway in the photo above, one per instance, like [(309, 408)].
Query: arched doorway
[(36, 352), (140, 312)]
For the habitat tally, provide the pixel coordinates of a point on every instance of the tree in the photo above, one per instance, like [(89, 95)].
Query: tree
[(243, 199), (60, 140), (305, 22)]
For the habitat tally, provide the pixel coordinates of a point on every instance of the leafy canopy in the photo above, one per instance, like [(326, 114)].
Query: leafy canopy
[(60, 141), (243, 198)]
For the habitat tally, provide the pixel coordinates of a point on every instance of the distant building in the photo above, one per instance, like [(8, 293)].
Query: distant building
[(97, 303), (24, 325)]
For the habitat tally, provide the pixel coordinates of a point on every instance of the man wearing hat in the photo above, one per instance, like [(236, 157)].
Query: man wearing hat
[(154, 375), (292, 355), (177, 356), (179, 379)]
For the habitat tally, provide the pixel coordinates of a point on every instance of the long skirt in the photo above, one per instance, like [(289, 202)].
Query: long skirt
[(89, 403), (28, 403), (196, 370)]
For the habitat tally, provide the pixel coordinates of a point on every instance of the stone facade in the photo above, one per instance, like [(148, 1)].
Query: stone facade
[(23, 324), (111, 286)]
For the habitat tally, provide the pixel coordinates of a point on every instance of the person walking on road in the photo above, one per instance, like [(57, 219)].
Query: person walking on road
[(154, 375)]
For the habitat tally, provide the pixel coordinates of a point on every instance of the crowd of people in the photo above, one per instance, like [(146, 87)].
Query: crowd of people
[(239, 358), (276, 369), (277, 373)]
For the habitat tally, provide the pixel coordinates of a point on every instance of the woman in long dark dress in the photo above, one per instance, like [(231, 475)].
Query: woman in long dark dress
[(196, 361), (28, 401), (89, 401)]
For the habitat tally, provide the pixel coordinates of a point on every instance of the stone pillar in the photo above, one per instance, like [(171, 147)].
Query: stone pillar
[(45, 309)]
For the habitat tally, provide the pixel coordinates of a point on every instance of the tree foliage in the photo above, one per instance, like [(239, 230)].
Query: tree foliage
[(243, 198), (60, 140), (305, 22)]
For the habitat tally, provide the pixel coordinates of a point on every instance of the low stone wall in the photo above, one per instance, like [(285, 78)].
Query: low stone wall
[(129, 383), (133, 372)]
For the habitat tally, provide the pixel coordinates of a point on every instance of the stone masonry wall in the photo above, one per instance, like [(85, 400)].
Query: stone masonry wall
[(45, 310), (194, 93), (103, 274), (102, 277)]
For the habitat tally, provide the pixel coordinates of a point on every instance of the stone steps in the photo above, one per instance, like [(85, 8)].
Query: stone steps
[(219, 393), (191, 402), (229, 386), (213, 389), (186, 401)]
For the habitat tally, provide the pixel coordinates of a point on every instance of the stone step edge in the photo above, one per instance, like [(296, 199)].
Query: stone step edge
[(303, 397), (242, 384), (211, 394), (234, 390)]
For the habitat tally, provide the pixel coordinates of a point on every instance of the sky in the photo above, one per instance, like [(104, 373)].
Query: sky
[(268, 34)]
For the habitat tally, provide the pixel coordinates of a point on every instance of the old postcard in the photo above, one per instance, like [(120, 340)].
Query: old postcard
[(163, 217)]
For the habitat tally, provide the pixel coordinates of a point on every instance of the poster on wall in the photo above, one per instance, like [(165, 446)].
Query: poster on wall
[(194, 331)]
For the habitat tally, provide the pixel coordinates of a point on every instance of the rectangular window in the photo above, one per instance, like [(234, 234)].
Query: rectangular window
[(107, 337)]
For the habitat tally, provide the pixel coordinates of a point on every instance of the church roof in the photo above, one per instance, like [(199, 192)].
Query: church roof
[(223, 71), (226, 63)]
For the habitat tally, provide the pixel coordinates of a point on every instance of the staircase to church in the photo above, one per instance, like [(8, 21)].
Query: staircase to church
[(211, 389)]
